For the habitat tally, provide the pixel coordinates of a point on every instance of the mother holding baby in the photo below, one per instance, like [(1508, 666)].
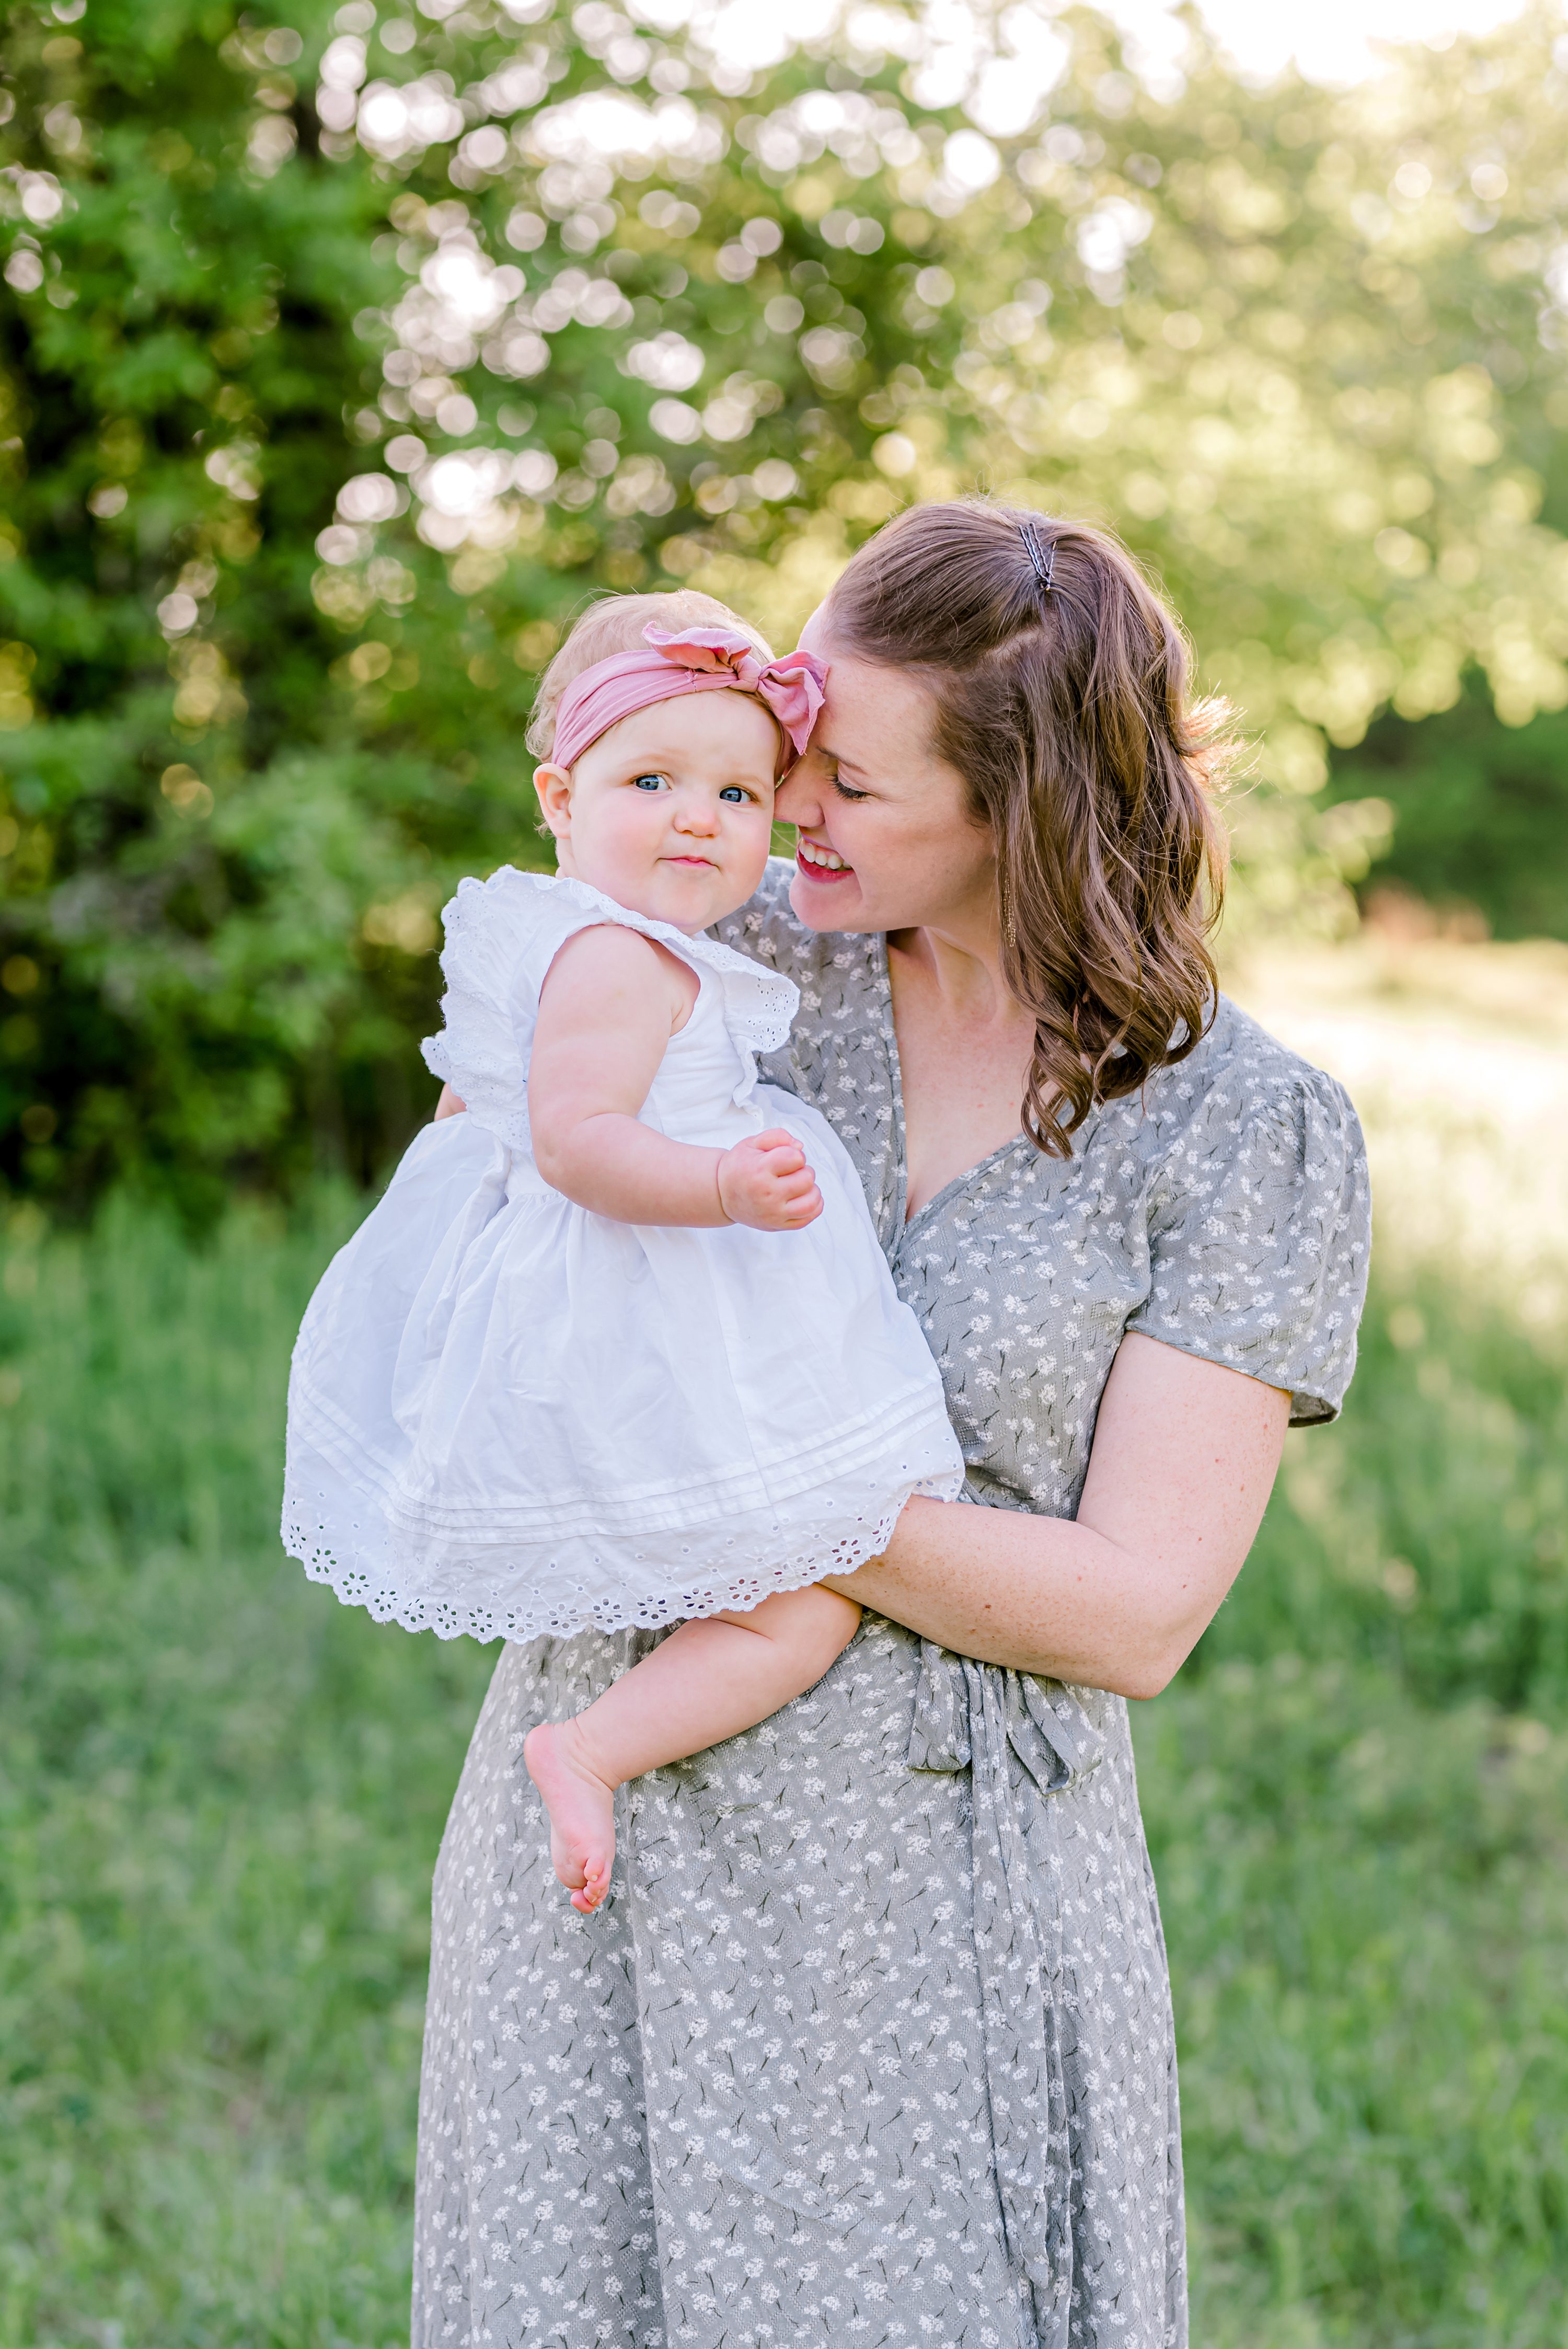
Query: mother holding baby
[(872, 2040)]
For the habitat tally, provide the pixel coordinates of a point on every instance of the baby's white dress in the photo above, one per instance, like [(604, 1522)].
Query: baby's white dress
[(509, 1415)]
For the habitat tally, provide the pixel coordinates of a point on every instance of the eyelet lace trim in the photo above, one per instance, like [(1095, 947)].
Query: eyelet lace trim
[(498, 1598), (638, 1561)]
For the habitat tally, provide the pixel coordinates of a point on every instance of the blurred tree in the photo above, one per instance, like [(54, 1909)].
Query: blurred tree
[(1306, 349), (349, 353), (1480, 815), (189, 829)]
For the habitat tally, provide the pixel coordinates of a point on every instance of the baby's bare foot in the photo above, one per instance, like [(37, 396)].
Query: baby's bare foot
[(581, 1808)]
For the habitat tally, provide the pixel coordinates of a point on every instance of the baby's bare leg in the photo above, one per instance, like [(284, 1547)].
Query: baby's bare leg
[(708, 1681)]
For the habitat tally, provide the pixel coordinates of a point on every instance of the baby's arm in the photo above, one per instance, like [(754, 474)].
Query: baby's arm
[(609, 1006)]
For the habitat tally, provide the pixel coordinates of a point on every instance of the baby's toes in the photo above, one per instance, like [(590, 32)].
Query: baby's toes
[(596, 1877), (567, 1859)]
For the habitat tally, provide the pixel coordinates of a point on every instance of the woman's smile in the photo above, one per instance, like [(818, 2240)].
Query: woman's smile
[(820, 862)]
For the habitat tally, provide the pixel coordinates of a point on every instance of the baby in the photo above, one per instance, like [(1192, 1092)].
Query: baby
[(619, 1347)]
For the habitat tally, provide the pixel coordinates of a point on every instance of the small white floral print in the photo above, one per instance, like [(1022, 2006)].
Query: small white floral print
[(978, 2116)]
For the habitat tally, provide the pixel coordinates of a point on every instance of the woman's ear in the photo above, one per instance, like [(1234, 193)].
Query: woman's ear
[(553, 786)]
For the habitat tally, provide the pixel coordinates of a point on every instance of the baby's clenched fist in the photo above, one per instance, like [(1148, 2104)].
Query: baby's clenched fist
[(765, 1181)]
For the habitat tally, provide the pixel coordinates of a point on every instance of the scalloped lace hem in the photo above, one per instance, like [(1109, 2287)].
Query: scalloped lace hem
[(466, 1596)]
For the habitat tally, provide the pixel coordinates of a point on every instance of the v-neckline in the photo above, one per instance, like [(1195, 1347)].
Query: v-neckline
[(905, 1223)]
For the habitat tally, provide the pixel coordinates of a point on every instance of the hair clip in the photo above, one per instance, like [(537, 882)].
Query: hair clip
[(1043, 560)]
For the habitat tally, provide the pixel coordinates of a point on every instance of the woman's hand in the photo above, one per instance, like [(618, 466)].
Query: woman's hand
[(1183, 1462)]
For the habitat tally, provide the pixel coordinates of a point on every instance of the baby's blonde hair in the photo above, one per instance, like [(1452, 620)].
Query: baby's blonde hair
[(616, 625)]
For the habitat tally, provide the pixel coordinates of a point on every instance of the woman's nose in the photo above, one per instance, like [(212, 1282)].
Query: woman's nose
[(799, 799)]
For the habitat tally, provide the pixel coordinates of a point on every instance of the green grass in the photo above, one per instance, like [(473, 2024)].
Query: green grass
[(220, 1795)]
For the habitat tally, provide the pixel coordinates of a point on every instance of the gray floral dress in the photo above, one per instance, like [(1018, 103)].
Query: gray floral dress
[(872, 2041)]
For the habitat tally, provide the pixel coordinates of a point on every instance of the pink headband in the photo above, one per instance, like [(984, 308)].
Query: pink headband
[(703, 658)]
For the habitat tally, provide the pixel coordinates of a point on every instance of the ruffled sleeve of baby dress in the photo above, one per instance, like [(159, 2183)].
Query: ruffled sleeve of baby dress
[(504, 933)]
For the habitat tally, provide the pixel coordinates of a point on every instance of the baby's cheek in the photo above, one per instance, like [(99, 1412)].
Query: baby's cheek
[(754, 842)]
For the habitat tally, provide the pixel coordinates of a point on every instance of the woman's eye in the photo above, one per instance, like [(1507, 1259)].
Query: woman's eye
[(647, 782), (845, 792)]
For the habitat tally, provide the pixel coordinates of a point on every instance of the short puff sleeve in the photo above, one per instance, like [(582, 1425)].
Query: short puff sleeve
[(1259, 1223)]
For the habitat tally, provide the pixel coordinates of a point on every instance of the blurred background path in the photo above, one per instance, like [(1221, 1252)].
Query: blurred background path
[(1455, 1055)]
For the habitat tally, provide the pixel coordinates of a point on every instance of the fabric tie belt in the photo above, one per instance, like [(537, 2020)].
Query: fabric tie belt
[(980, 1718)]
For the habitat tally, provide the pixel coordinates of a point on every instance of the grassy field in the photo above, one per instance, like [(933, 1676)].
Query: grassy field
[(220, 1795)]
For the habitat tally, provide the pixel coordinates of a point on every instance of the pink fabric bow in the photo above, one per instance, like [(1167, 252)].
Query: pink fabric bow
[(697, 662)]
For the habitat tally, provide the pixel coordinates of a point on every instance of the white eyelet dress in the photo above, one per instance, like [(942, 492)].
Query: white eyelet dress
[(871, 2047), (509, 1415)]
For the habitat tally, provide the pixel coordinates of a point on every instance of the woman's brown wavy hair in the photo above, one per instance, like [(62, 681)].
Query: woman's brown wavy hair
[(1068, 712)]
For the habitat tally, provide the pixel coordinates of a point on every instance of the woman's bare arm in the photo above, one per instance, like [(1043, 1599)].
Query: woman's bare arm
[(1184, 1458)]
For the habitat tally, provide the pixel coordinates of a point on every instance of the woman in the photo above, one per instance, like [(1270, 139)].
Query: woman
[(873, 2042)]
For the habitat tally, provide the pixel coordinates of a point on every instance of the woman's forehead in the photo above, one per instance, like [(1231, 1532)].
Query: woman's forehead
[(873, 703)]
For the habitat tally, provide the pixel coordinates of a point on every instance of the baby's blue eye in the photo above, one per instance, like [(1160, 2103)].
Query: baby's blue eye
[(732, 791), (646, 783)]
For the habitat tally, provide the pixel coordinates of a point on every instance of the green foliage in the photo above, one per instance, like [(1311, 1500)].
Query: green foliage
[(191, 314), (220, 1795), (1480, 813), (340, 363)]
